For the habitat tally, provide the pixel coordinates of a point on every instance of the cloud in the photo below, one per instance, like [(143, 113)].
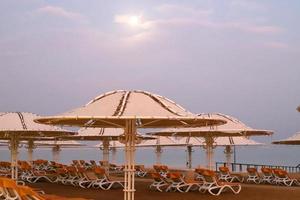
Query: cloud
[(61, 12), (126, 19)]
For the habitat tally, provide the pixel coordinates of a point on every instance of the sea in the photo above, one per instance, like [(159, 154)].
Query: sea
[(287, 155)]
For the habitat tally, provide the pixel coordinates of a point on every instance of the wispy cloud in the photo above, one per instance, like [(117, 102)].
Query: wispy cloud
[(61, 12)]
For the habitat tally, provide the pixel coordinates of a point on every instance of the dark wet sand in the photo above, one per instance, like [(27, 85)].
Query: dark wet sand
[(249, 192)]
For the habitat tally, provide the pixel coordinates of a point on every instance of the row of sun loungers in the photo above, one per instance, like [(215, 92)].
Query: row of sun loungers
[(92, 174), (271, 176), (205, 181)]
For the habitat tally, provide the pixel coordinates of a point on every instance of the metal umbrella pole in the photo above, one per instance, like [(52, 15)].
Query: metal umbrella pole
[(55, 153), (30, 148), (14, 144), (130, 134), (228, 152), (158, 152), (209, 147), (105, 152), (189, 156), (114, 154)]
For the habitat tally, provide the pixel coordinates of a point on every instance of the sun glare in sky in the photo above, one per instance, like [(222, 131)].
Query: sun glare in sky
[(134, 20)]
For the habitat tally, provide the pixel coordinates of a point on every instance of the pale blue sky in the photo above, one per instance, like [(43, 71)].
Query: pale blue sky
[(237, 57)]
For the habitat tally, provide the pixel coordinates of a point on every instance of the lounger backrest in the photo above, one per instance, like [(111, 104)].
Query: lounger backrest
[(280, 173), (26, 193), (10, 187), (266, 171), (156, 176), (175, 176), (100, 172), (252, 171), (224, 170), (209, 176)]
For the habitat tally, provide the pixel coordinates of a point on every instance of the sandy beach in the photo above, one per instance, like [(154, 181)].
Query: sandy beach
[(248, 192)]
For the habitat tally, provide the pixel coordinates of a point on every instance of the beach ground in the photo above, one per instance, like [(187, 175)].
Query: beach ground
[(248, 192)]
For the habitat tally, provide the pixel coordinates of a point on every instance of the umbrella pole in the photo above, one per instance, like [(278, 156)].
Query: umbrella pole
[(228, 152), (209, 152), (55, 153), (189, 161), (114, 154), (30, 150), (105, 157), (158, 152), (14, 143), (130, 134)]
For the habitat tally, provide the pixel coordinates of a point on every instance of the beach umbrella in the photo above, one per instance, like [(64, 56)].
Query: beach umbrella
[(158, 142), (227, 142), (232, 128), (293, 140), (105, 135), (130, 110), (57, 145), (17, 125)]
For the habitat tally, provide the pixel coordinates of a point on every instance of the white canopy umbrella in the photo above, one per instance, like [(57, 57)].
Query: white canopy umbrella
[(57, 145), (105, 135), (293, 140), (158, 143), (17, 125), (233, 128), (130, 110), (227, 142)]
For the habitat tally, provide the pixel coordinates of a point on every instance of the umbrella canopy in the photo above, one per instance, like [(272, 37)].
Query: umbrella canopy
[(233, 128), (223, 141), (293, 140), (17, 125), (23, 125), (113, 109), (130, 110), (102, 134)]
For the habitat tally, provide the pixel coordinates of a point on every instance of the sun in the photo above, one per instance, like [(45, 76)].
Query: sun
[(134, 20)]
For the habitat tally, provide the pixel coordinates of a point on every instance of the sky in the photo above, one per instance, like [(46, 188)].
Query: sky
[(235, 57)]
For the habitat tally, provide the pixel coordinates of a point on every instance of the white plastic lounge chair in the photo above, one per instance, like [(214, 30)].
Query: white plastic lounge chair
[(215, 187)]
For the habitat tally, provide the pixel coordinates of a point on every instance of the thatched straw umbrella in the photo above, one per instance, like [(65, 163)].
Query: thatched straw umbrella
[(130, 110), (16, 125), (293, 140), (232, 128)]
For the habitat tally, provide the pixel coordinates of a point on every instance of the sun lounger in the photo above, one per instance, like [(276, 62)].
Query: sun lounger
[(215, 187), (140, 171), (267, 176), (159, 182), (253, 175), (283, 178), (199, 174), (8, 189), (178, 183), (225, 175), (105, 182)]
